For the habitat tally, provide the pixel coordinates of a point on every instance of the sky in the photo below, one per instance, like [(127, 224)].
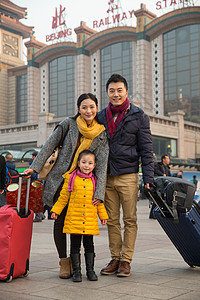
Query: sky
[(41, 12)]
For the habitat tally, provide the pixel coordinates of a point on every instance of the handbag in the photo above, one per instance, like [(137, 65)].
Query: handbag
[(51, 160)]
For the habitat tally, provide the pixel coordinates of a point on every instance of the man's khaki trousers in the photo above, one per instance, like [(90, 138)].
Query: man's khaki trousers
[(122, 191)]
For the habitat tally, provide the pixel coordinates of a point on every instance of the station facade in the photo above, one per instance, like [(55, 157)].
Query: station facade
[(160, 58)]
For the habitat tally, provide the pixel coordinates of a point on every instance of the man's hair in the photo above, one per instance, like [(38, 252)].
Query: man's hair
[(116, 78), (9, 156), (35, 153), (86, 152), (164, 156)]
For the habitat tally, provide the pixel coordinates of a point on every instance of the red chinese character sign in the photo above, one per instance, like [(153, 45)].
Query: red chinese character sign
[(55, 23), (116, 16), (61, 32)]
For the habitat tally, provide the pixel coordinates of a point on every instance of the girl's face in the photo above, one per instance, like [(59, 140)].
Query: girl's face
[(88, 110), (87, 163)]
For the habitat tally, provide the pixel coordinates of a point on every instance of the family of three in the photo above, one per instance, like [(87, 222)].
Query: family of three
[(98, 165)]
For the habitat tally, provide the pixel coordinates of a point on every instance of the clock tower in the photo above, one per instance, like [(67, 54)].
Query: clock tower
[(12, 33)]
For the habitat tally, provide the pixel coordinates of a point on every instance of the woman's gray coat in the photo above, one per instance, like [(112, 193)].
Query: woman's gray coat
[(99, 146)]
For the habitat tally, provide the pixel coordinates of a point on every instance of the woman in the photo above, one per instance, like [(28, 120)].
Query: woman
[(81, 132)]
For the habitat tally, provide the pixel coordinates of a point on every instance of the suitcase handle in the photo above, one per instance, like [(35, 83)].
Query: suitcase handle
[(21, 175)]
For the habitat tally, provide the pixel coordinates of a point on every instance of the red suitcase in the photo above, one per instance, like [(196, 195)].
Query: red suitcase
[(16, 226)]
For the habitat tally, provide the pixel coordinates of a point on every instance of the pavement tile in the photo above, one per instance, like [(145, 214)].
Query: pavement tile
[(19, 296), (75, 292), (144, 290)]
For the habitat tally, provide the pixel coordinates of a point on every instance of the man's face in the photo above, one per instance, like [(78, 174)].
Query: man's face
[(166, 160), (117, 93)]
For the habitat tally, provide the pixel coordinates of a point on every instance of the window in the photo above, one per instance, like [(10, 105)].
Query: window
[(160, 145), (181, 57), (62, 86)]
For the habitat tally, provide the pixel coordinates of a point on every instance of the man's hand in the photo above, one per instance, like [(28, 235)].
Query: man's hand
[(146, 186), (96, 202), (1, 191)]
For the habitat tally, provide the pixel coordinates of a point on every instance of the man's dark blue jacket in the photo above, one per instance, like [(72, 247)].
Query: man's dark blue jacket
[(131, 141)]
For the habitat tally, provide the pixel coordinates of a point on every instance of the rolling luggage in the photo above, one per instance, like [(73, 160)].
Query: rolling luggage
[(179, 216), (185, 235), (15, 237), (35, 195)]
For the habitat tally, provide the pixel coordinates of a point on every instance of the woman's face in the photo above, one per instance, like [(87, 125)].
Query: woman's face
[(88, 110)]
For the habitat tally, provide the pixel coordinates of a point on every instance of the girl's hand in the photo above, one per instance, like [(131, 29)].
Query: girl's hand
[(103, 222), (96, 202), (54, 216)]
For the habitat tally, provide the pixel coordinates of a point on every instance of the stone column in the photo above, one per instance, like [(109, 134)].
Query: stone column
[(42, 127), (3, 98), (34, 98), (179, 116)]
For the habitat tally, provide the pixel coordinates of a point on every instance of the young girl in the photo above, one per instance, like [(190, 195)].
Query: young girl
[(81, 218)]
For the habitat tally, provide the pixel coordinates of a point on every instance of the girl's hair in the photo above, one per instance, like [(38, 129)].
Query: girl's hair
[(86, 152), (84, 97)]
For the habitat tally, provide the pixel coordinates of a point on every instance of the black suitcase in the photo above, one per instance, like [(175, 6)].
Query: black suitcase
[(185, 235)]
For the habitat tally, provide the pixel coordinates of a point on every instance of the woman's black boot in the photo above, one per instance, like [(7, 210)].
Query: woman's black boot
[(89, 261), (76, 265)]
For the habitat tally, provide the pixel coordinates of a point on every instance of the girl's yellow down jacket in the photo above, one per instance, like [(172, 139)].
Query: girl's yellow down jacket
[(81, 217)]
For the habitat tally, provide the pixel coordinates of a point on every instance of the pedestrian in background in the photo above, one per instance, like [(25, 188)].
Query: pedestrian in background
[(2, 181), (179, 174), (160, 169)]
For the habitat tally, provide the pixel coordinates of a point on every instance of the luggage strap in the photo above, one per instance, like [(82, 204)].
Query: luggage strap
[(174, 207)]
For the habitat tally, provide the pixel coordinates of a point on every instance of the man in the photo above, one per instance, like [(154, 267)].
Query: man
[(2, 180), (12, 175), (179, 174), (129, 136), (162, 168), (34, 176)]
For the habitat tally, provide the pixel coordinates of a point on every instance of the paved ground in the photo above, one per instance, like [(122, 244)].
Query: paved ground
[(158, 271)]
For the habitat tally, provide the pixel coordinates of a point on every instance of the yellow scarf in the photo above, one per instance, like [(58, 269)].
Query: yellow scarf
[(88, 134)]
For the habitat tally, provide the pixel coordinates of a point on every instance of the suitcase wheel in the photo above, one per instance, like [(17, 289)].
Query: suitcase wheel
[(27, 268), (26, 274), (10, 279), (10, 275)]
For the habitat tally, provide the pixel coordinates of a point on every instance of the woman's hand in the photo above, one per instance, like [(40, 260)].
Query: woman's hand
[(54, 216), (28, 172), (103, 222), (96, 202)]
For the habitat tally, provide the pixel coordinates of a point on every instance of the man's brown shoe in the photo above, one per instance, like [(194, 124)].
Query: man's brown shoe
[(111, 268), (124, 269)]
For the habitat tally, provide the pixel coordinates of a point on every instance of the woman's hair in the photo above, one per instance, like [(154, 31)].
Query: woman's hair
[(84, 97), (86, 152)]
